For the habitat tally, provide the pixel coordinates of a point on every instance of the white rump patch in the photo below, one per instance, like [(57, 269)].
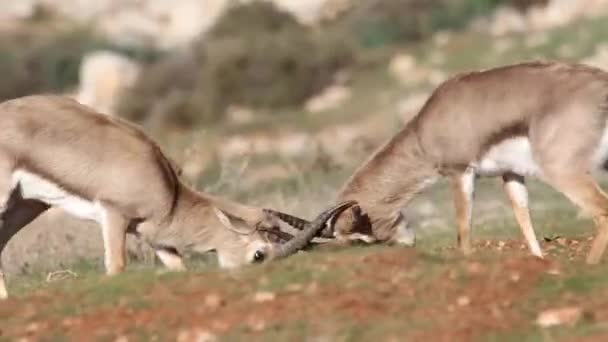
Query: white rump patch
[(511, 155), (36, 187), (601, 153)]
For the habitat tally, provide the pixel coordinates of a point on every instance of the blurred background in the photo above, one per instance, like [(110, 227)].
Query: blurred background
[(273, 102)]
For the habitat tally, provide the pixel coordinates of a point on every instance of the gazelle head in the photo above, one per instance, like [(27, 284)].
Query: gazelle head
[(256, 242), (355, 224)]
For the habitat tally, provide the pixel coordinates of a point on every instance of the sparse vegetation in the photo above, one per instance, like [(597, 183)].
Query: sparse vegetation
[(354, 293), (260, 57), (385, 22), (357, 293)]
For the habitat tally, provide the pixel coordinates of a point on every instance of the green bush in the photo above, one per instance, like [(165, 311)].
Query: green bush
[(49, 62), (261, 57), (383, 22), (164, 92), (255, 56)]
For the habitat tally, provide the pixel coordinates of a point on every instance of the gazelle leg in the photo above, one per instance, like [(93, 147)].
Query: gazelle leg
[(516, 190), (114, 229), (463, 186), (18, 214), (584, 191), (170, 258)]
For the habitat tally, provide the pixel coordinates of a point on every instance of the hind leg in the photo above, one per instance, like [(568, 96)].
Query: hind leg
[(18, 213), (584, 191), (15, 212), (516, 190)]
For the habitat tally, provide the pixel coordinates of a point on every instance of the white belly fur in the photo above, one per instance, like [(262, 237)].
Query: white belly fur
[(511, 155), (36, 187), (515, 155)]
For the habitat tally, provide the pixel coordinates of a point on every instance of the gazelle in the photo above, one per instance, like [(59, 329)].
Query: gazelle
[(542, 119), (57, 152)]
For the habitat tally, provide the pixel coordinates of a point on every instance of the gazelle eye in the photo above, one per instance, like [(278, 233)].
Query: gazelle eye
[(258, 256)]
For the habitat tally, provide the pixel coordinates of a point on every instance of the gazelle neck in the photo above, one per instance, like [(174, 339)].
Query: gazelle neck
[(186, 224), (393, 175)]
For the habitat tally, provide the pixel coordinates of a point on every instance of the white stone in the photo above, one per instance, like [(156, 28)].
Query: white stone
[(104, 76)]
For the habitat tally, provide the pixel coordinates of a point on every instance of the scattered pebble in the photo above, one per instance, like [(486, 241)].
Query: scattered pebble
[(553, 317), (196, 335), (256, 324), (554, 270), (213, 301), (264, 296), (463, 301), (475, 267)]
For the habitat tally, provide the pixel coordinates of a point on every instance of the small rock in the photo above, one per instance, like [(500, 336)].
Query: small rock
[(195, 335), (104, 76), (213, 301), (463, 301), (560, 316), (401, 65), (475, 267), (554, 270), (69, 321), (256, 324), (264, 296), (330, 98), (32, 327), (240, 115), (515, 277)]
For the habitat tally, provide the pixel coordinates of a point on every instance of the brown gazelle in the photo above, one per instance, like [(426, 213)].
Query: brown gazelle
[(541, 119), (57, 152)]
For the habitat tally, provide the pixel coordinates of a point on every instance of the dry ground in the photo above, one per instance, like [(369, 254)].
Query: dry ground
[(359, 293)]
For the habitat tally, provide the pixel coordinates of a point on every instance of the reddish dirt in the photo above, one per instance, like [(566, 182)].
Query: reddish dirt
[(459, 303)]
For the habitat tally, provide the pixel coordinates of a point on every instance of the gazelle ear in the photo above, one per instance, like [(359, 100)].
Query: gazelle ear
[(222, 217), (233, 223)]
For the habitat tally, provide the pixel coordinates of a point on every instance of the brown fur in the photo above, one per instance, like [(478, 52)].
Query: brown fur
[(109, 161), (561, 108)]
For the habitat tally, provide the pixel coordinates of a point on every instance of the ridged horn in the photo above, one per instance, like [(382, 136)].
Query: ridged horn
[(291, 220), (302, 239)]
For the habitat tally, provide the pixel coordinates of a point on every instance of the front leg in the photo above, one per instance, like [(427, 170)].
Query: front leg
[(114, 229), (463, 186)]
